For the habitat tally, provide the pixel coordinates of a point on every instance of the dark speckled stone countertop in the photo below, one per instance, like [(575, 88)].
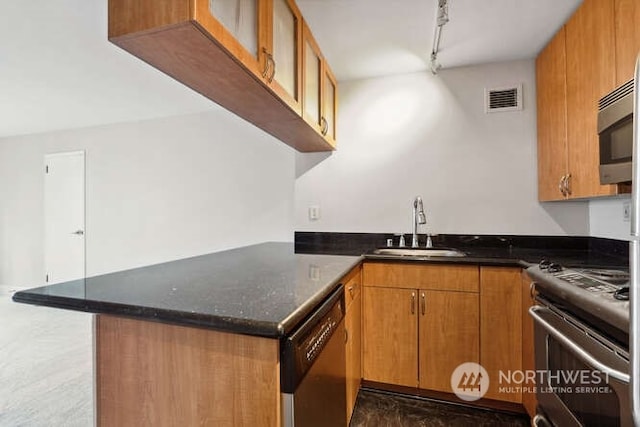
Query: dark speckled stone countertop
[(262, 290)]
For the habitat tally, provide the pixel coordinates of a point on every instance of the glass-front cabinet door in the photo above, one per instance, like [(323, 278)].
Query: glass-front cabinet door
[(239, 27), (311, 80), (283, 52), (329, 105)]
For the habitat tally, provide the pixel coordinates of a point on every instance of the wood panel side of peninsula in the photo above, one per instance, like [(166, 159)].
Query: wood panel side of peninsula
[(156, 374)]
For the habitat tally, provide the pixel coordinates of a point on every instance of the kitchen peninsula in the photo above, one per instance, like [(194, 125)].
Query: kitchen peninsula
[(196, 341)]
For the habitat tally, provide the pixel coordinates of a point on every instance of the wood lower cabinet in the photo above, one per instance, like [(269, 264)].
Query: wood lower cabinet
[(501, 328), (353, 327), (448, 336), (529, 400), (417, 325), (390, 336)]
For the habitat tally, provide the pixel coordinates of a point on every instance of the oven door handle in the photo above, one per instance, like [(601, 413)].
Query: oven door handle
[(579, 351)]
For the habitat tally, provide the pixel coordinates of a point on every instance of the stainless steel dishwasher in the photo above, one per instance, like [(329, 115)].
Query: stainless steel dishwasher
[(312, 368)]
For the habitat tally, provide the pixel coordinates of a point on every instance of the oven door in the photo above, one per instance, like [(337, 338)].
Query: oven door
[(582, 378)]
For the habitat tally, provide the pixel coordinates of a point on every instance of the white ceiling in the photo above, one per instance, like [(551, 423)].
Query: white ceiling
[(365, 38), (58, 71)]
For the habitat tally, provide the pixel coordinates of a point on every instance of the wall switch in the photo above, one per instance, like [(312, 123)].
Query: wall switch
[(626, 211), (314, 213)]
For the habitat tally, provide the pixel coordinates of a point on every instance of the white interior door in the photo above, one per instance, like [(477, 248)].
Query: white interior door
[(64, 214)]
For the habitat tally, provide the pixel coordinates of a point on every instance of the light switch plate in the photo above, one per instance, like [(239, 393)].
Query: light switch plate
[(314, 213)]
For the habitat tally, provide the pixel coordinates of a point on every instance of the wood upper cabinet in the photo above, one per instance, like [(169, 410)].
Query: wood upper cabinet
[(311, 79), (417, 325), (590, 53), (529, 400), (500, 327), (245, 55), (573, 72), (627, 31), (329, 104), (551, 83), (283, 47), (239, 25), (320, 89)]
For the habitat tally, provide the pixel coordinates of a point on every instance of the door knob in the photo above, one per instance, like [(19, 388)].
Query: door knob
[(78, 232)]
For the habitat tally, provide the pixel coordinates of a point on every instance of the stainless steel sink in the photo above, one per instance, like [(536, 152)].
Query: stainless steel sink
[(420, 252)]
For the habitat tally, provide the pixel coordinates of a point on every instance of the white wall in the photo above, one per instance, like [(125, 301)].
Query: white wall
[(419, 134), (606, 218), (156, 190)]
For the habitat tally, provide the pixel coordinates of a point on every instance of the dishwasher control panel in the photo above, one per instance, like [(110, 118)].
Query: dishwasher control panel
[(303, 346)]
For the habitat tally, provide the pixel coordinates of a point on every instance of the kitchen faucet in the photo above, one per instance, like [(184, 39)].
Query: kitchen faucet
[(418, 218)]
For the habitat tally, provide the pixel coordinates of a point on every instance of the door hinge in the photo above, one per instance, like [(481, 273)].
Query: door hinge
[(46, 278), (46, 169)]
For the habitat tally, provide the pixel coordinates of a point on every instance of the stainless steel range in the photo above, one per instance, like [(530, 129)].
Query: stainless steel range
[(581, 346)]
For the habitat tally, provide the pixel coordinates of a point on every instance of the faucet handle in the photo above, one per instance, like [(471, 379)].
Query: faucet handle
[(401, 241), (429, 242)]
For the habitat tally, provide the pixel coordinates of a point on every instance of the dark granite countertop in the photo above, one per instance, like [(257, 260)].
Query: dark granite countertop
[(262, 290)]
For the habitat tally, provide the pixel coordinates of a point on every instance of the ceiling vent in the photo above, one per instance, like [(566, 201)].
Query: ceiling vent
[(503, 99)]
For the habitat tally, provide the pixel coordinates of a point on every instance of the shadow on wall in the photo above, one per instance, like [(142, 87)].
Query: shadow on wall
[(572, 217), (307, 161)]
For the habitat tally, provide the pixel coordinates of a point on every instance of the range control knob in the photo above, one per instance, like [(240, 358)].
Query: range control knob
[(554, 268), (544, 264)]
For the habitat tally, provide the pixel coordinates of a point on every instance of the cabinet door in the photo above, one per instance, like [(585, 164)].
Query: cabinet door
[(448, 336), (329, 105), (590, 75), (551, 82), (353, 325), (627, 17), (311, 79), (238, 26), (390, 334), (529, 400), (284, 46), (500, 327)]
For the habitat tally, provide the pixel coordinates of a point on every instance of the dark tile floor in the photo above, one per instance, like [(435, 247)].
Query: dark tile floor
[(379, 409)]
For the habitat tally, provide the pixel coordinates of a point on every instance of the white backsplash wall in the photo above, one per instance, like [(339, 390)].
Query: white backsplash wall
[(419, 134), (157, 190), (607, 219)]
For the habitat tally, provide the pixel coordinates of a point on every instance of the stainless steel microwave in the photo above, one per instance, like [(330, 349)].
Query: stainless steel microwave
[(615, 130)]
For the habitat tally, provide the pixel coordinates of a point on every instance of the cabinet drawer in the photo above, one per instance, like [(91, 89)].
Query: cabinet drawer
[(352, 285), (422, 276)]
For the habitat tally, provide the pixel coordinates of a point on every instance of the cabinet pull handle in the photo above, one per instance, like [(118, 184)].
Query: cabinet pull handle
[(567, 185), (413, 303), (265, 72), (424, 303), (351, 290), (346, 336), (324, 126), (532, 289), (561, 185), (273, 68)]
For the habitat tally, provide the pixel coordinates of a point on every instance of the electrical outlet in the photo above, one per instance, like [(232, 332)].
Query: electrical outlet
[(314, 213), (626, 211)]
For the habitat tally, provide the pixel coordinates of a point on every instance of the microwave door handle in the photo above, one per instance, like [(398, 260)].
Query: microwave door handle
[(575, 348)]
